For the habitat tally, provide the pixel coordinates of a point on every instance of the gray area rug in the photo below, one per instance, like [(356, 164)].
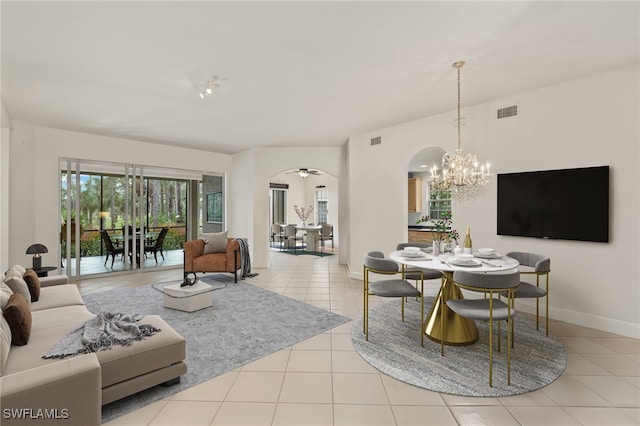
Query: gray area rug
[(394, 348), (244, 324)]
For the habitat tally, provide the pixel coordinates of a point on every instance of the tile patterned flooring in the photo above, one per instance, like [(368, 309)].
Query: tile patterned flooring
[(323, 381)]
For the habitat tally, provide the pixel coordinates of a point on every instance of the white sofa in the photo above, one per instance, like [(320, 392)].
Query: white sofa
[(41, 391)]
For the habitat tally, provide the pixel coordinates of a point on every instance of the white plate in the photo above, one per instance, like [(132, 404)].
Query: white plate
[(458, 262), (413, 255), (487, 256), (412, 249)]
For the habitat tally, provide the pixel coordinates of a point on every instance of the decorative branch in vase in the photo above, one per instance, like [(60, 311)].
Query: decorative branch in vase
[(302, 213), (441, 231)]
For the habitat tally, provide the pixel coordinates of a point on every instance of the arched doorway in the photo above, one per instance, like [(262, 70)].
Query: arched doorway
[(428, 203), (320, 192)]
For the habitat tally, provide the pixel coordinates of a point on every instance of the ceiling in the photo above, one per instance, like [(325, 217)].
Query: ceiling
[(291, 73)]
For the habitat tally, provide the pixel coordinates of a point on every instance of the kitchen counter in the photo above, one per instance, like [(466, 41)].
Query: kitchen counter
[(422, 228)]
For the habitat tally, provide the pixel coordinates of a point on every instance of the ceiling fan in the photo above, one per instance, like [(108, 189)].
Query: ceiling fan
[(304, 172)]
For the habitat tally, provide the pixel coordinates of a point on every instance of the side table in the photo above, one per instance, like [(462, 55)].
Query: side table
[(43, 271)]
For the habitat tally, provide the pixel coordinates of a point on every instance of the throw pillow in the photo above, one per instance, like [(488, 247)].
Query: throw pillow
[(19, 268), (17, 284), (33, 283), (5, 294), (215, 242), (18, 316)]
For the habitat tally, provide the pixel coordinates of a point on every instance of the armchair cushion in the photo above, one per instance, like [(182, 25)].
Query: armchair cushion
[(215, 242)]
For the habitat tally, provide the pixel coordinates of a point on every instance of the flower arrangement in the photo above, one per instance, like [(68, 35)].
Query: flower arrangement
[(302, 213), (441, 229)]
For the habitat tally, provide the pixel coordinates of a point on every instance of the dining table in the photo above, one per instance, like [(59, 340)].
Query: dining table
[(313, 232), (459, 330), (149, 237)]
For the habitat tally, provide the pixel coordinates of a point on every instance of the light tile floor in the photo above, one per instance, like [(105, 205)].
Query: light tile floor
[(323, 381)]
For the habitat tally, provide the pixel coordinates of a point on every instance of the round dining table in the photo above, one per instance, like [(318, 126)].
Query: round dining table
[(313, 232), (459, 330)]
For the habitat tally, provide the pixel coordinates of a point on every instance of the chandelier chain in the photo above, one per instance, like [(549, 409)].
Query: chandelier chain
[(459, 123)]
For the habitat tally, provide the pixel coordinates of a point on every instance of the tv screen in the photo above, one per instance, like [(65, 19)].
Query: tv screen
[(568, 204)]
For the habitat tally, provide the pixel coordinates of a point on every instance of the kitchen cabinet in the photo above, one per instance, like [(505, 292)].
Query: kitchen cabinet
[(416, 236), (415, 195)]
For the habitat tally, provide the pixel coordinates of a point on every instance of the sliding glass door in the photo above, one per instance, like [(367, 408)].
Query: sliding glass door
[(114, 218)]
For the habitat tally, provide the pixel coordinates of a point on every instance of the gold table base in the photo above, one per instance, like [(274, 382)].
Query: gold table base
[(458, 330)]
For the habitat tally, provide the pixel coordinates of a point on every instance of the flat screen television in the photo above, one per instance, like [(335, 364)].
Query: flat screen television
[(567, 204)]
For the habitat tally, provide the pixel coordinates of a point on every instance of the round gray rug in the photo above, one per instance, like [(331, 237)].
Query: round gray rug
[(394, 349)]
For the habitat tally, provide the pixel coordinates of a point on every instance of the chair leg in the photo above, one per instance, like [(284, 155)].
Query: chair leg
[(509, 325), (365, 321), (422, 314), (490, 352)]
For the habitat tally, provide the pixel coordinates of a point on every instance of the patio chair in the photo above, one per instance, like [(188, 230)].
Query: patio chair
[(110, 249), (157, 245)]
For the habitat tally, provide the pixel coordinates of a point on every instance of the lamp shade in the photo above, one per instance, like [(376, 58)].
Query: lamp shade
[(37, 249)]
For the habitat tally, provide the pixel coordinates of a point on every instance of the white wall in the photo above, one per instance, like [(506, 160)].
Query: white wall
[(588, 122), (5, 143), (256, 168), (35, 180)]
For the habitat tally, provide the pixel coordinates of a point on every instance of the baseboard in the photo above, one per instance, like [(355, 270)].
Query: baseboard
[(610, 325)]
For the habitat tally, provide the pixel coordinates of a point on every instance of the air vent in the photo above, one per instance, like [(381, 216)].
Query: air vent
[(376, 140), (510, 111)]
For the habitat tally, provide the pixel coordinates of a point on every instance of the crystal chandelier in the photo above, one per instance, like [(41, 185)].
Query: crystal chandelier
[(459, 173)]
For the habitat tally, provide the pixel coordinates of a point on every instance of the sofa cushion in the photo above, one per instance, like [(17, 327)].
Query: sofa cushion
[(57, 297), (33, 284), (5, 293), (18, 316), (17, 284), (215, 242), (47, 329), (5, 342), (69, 316)]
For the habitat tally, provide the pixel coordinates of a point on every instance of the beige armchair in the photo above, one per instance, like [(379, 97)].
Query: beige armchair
[(195, 261)]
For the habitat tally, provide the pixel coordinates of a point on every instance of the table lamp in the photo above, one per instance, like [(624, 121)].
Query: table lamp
[(35, 250)]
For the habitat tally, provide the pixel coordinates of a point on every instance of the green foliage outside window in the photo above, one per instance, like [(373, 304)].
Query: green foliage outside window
[(102, 206)]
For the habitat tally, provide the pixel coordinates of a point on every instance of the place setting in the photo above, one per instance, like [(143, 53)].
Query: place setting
[(415, 253), (464, 260)]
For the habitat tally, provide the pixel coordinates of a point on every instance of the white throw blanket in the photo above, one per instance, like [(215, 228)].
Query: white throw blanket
[(100, 333)]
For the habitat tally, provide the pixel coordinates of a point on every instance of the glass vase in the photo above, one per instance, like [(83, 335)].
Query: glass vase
[(436, 248)]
